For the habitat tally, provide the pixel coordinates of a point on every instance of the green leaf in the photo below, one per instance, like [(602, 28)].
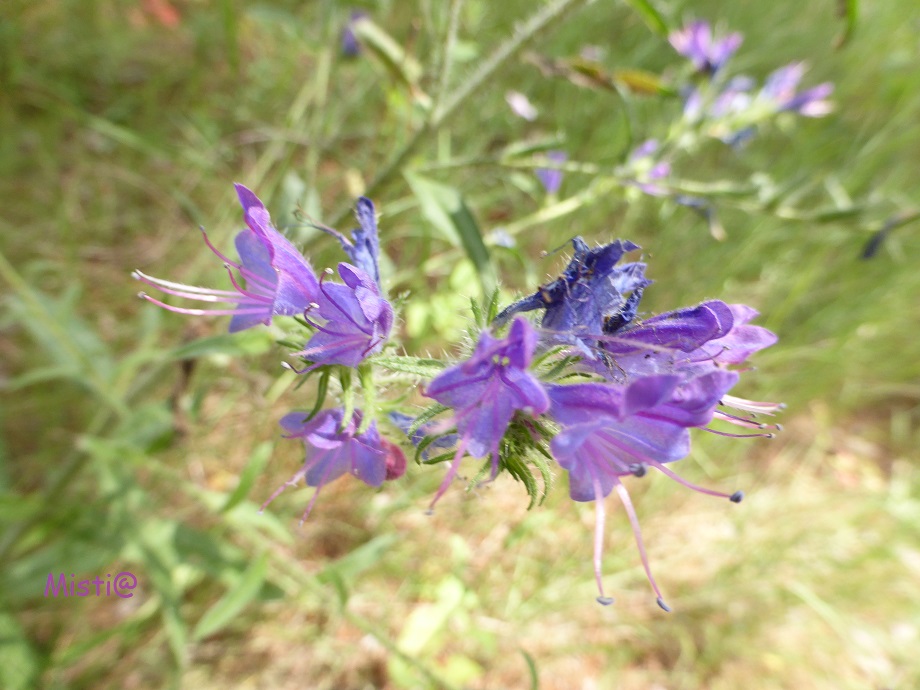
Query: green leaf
[(254, 467), (493, 307), (404, 68), (516, 467), (849, 11), (19, 663), (359, 560), (478, 316), (653, 18), (532, 670), (252, 342), (234, 601), (426, 414), (445, 208), (420, 366), (423, 623)]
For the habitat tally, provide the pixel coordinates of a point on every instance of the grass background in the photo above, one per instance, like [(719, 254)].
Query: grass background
[(130, 444)]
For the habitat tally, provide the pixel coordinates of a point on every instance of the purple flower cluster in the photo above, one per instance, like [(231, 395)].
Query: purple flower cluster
[(597, 389), (734, 106), (652, 381), (696, 43), (273, 279)]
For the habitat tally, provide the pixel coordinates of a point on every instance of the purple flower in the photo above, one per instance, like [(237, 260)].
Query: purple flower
[(590, 295), (665, 375), (351, 47), (364, 252), (357, 320), (647, 171), (780, 89), (695, 42), (274, 278), (551, 178), (611, 431), (486, 390), (335, 447), (692, 339)]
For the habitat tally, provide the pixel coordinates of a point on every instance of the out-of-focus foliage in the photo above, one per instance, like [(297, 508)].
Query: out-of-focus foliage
[(129, 443)]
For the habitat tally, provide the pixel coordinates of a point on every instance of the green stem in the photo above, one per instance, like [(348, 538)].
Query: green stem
[(542, 19), (447, 60)]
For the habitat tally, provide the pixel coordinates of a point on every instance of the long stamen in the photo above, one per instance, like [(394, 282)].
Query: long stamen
[(730, 435), (343, 345), (198, 296), (734, 498), (244, 292), (305, 370), (740, 421), (161, 284), (249, 275), (600, 516), (754, 406), (306, 513), (200, 312), (323, 329), (291, 482), (634, 521), (451, 473), (220, 254)]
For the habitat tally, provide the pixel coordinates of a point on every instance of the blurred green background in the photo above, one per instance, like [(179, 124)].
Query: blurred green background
[(138, 440)]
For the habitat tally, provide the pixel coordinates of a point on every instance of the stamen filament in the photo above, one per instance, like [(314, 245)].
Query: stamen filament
[(739, 421), (690, 485), (730, 435), (756, 407), (290, 482), (600, 516), (244, 292), (200, 312), (236, 265), (451, 473), (159, 283), (634, 521)]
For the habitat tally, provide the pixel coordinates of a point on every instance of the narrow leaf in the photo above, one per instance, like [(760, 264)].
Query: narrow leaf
[(532, 670), (445, 208), (234, 601), (848, 10), (651, 15), (254, 467)]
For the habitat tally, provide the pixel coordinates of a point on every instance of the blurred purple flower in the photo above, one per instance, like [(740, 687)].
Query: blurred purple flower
[(521, 105), (275, 279), (780, 89), (335, 447), (647, 170), (486, 390), (351, 47), (357, 320), (551, 178), (695, 42)]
